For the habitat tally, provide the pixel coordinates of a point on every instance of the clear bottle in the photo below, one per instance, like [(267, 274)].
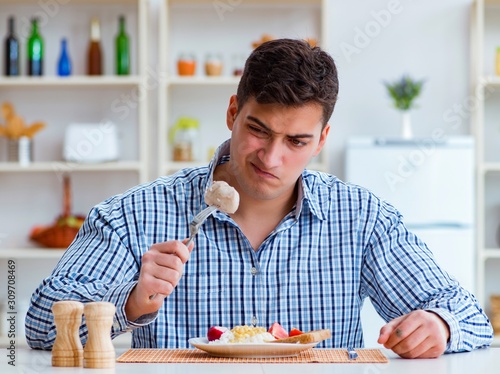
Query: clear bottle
[(94, 54), (11, 62), (184, 137), (64, 63), (35, 50), (122, 49)]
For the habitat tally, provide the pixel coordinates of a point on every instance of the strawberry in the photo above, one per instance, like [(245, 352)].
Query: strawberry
[(215, 332), (278, 331)]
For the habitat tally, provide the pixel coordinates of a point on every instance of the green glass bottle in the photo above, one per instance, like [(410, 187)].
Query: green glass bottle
[(122, 49), (35, 50)]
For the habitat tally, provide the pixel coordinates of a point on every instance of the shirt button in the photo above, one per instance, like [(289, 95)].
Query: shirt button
[(254, 271)]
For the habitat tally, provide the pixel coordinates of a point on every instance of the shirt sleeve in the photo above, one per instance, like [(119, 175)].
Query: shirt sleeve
[(401, 275), (98, 266)]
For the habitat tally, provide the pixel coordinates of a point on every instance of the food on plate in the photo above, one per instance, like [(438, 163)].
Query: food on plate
[(295, 332), (307, 337), (244, 334), (223, 196), (275, 334), (215, 332), (278, 331)]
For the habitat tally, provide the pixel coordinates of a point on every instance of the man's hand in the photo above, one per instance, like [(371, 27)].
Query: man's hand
[(161, 270), (419, 334)]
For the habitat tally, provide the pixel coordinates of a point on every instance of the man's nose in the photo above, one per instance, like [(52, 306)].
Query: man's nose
[(271, 154)]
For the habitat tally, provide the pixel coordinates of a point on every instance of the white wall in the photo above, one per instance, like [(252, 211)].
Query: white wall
[(426, 39)]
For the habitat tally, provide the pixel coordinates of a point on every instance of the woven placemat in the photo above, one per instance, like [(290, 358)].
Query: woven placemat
[(315, 355)]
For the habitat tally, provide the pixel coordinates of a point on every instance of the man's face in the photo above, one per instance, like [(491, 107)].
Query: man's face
[(271, 145)]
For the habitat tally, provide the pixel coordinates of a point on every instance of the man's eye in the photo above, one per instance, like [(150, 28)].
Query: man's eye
[(298, 143), (256, 130)]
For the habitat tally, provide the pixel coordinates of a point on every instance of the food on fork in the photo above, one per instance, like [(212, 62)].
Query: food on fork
[(223, 196)]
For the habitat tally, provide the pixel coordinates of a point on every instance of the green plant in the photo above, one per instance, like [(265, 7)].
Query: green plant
[(404, 91)]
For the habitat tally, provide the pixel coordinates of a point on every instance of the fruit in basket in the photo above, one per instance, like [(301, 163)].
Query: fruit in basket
[(66, 226), (71, 221)]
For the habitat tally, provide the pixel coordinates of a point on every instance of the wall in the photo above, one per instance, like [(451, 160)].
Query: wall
[(426, 39)]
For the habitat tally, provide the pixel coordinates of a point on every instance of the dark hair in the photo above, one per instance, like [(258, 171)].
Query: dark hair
[(292, 73)]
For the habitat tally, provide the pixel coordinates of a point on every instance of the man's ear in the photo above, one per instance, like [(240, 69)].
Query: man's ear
[(322, 139), (232, 111)]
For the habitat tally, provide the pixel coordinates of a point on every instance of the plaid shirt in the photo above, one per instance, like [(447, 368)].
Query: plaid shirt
[(338, 245)]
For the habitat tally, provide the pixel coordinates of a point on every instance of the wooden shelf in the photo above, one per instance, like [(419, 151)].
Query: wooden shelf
[(201, 81), (100, 2), (31, 253), (491, 253), (72, 81), (488, 167), (247, 3), (13, 167)]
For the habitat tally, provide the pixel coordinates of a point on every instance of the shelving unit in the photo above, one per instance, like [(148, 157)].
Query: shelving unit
[(485, 38), (59, 101), (228, 30)]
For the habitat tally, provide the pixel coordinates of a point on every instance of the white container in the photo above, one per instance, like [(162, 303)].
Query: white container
[(91, 142)]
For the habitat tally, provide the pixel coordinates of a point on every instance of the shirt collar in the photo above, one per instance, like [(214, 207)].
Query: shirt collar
[(305, 195)]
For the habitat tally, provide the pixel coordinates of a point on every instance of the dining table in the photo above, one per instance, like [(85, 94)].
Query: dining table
[(486, 360)]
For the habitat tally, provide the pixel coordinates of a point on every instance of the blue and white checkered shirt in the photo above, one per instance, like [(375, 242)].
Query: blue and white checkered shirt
[(338, 245)]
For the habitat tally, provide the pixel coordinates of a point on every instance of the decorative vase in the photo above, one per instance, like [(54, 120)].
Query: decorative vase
[(406, 131), (21, 151)]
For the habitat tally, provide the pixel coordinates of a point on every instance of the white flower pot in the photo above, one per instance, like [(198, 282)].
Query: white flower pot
[(406, 131)]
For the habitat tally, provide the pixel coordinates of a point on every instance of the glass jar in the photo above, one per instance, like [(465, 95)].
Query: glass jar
[(213, 65), (186, 65), (184, 137)]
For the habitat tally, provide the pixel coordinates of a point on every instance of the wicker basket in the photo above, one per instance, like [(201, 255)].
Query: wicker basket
[(55, 236), (58, 235), (495, 313)]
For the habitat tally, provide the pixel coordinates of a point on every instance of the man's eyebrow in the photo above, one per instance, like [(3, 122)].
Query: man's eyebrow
[(268, 129)]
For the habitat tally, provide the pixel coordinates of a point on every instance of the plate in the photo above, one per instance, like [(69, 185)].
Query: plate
[(250, 350)]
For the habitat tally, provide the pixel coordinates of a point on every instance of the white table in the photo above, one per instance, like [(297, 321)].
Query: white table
[(480, 361)]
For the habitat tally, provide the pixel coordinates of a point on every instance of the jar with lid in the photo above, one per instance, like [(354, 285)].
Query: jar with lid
[(184, 137)]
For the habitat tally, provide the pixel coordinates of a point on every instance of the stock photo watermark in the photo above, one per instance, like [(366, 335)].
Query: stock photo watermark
[(48, 10), (221, 7), (11, 312)]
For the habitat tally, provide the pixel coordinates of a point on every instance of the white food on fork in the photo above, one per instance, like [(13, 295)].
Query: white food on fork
[(219, 195), (223, 196)]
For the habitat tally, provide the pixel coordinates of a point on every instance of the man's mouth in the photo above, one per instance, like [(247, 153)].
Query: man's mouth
[(263, 173)]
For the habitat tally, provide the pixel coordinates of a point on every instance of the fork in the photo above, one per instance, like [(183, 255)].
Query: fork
[(351, 353), (198, 220), (194, 227)]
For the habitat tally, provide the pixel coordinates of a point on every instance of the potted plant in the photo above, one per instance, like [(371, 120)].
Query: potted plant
[(404, 91), (18, 133)]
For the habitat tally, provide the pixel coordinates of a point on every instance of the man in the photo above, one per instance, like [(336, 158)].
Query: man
[(303, 249)]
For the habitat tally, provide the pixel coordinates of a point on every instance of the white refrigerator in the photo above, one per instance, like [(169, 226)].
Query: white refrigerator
[(431, 182)]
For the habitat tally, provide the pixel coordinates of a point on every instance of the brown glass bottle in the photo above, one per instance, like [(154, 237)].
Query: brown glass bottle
[(94, 57)]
